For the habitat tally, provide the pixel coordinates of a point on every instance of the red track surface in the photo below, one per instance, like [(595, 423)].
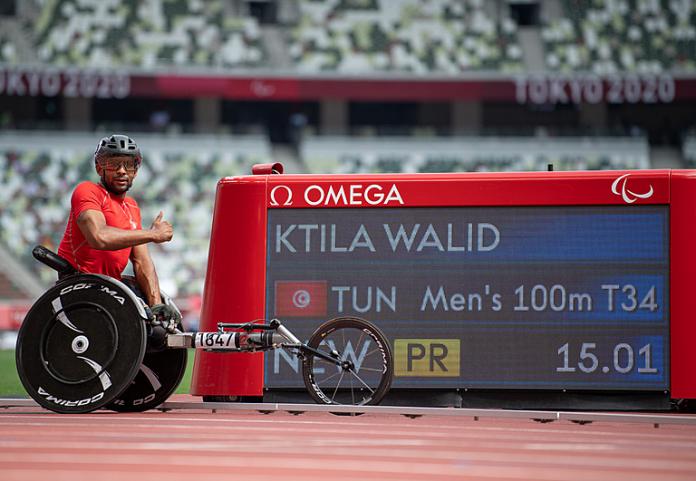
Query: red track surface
[(185, 445)]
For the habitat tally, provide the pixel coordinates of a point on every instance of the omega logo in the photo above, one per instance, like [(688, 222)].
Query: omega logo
[(338, 195), (274, 199)]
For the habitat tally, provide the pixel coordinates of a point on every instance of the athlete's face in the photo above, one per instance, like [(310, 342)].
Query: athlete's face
[(117, 173)]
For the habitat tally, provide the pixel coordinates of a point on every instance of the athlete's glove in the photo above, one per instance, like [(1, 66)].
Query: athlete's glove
[(163, 313)]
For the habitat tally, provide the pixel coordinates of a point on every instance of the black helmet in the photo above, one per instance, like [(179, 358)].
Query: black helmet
[(117, 145)]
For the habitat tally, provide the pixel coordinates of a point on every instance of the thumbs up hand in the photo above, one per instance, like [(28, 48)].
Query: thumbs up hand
[(162, 229)]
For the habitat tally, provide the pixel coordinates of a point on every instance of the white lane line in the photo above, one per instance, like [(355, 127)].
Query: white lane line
[(185, 441)]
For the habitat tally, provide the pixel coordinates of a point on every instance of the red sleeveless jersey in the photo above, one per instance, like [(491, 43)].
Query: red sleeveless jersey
[(123, 213)]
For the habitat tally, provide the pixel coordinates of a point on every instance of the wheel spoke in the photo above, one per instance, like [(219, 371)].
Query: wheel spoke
[(331, 376), (372, 352), (361, 381), (371, 369), (352, 389), (337, 385), (362, 335)]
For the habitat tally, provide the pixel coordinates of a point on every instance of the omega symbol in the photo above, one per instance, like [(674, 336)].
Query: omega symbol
[(274, 200), (628, 195)]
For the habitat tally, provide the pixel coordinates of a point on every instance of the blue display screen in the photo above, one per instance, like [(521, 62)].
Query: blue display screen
[(499, 297)]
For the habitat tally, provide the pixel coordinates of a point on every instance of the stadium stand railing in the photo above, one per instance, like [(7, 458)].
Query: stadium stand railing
[(409, 154), (179, 176)]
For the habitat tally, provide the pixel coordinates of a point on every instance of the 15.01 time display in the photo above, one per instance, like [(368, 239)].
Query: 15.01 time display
[(625, 359)]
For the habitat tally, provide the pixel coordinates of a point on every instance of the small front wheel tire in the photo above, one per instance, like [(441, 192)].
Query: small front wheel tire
[(363, 368)]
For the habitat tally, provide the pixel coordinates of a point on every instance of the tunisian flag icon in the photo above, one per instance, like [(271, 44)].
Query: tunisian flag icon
[(300, 298)]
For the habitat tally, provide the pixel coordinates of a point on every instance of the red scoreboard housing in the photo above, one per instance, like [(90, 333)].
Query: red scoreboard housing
[(544, 281)]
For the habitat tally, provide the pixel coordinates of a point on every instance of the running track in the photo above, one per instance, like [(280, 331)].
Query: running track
[(200, 445)]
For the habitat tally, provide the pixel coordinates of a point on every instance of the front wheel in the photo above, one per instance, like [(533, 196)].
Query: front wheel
[(360, 368)]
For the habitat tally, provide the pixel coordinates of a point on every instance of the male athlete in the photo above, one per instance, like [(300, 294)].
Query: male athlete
[(104, 228)]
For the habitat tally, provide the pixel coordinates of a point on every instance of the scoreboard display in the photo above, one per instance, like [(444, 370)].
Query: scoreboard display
[(548, 280), (536, 297)]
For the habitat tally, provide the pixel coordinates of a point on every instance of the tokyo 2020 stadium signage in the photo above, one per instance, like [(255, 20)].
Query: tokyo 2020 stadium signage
[(593, 89), (574, 88), (36, 82)]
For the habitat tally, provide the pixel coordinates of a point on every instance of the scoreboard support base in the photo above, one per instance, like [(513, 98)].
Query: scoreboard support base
[(505, 399), (543, 416)]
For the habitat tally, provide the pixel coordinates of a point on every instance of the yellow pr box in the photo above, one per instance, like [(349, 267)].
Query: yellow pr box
[(427, 357)]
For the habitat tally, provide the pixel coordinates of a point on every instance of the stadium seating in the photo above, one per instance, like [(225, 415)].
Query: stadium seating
[(8, 51), (178, 177), (8, 290), (409, 154), (617, 36), (445, 36), (151, 34), (689, 150)]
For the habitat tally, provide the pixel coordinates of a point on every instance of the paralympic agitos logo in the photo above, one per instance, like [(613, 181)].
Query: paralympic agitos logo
[(620, 187), (338, 195)]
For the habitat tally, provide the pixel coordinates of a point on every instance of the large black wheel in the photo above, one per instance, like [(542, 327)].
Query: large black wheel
[(158, 377), (160, 372), (81, 344), (362, 370)]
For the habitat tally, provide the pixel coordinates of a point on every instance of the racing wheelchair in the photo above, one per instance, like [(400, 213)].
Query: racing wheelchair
[(90, 342)]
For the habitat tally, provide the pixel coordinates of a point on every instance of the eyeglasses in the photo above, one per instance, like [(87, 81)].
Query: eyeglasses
[(115, 163)]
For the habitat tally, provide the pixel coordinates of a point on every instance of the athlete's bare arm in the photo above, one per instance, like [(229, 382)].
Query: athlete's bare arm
[(145, 274), (103, 237)]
